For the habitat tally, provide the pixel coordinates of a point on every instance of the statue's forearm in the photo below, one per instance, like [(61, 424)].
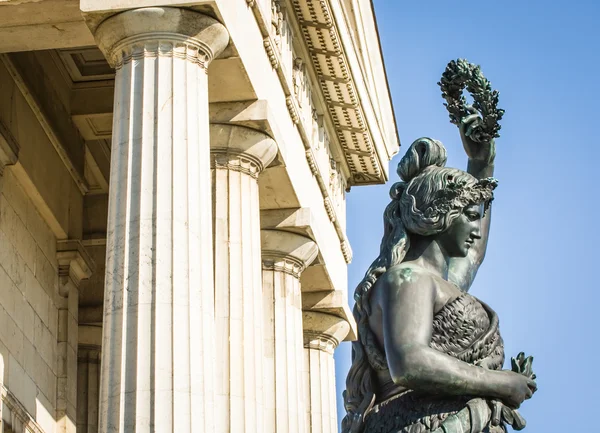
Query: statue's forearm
[(480, 169), (426, 369)]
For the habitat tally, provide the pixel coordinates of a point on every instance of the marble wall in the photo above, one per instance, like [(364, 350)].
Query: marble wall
[(28, 307)]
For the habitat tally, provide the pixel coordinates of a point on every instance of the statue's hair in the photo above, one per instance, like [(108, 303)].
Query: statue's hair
[(426, 203)]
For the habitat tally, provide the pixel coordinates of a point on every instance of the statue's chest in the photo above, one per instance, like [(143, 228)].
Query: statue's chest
[(458, 324)]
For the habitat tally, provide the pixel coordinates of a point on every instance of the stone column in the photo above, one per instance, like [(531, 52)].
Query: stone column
[(238, 155), (74, 265), (88, 383), (285, 255), (322, 334), (159, 336)]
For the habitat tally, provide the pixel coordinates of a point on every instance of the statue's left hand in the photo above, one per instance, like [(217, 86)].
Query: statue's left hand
[(483, 152)]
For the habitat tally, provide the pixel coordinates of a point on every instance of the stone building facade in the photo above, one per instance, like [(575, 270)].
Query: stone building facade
[(173, 248)]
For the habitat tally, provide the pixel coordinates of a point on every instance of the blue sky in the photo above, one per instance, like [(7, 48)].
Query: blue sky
[(540, 273)]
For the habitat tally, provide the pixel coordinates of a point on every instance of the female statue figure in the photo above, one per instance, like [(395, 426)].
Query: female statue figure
[(429, 355)]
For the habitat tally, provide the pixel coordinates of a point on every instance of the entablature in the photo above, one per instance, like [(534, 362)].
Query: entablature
[(309, 44)]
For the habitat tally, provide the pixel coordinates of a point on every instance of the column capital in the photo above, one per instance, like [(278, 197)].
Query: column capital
[(323, 331), (89, 353), (156, 31), (239, 148), (74, 264), (287, 252)]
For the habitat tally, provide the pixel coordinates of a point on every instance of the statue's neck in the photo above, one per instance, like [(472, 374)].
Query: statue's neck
[(426, 252)]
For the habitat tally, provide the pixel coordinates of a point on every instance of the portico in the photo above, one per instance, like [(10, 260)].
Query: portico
[(200, 152)]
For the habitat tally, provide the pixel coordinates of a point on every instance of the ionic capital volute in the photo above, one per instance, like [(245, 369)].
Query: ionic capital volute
[(287, 252), (74, 265), (240, 148)]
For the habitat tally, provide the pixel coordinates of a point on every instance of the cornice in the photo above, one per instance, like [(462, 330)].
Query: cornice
[(330, 64), (330, 70)]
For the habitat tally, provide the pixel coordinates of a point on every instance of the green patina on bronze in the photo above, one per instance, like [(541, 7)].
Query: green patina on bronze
[(406, 274)]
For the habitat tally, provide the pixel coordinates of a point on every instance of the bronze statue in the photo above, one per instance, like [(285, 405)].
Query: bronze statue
[(429, 355)]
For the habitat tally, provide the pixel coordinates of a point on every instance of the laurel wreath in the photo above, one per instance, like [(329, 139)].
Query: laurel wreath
[(461, 74)]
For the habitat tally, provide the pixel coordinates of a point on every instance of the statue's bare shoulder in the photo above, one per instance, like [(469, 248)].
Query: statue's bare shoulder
[(404, 278)]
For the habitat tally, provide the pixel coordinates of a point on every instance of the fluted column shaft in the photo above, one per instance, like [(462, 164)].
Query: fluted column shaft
[(322, 334), (158, 342), (88, 383), (285, 255), (238, 155)]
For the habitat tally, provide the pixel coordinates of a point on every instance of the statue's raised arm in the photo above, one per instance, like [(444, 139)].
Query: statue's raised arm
[(478, 125), (429, 356)]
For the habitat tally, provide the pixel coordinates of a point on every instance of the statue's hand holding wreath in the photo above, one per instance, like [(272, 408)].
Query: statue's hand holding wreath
[(478, 123), (484, 152)]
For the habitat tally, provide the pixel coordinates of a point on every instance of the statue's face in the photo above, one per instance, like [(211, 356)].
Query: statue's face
[(463, 232)]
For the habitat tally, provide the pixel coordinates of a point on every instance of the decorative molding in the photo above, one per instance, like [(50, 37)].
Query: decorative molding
[(291, 105), (161, 32), (239, 148), (271, 52), (347, 251), (329, 209), (161, 45), (330, 64), (320, 341), (286, 252), (226, 159), (18, 412), (94, 127), (311, 162), (84, 64), (44, 123), (316, 22), (74, 264), (273, 34), (274, 261)]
